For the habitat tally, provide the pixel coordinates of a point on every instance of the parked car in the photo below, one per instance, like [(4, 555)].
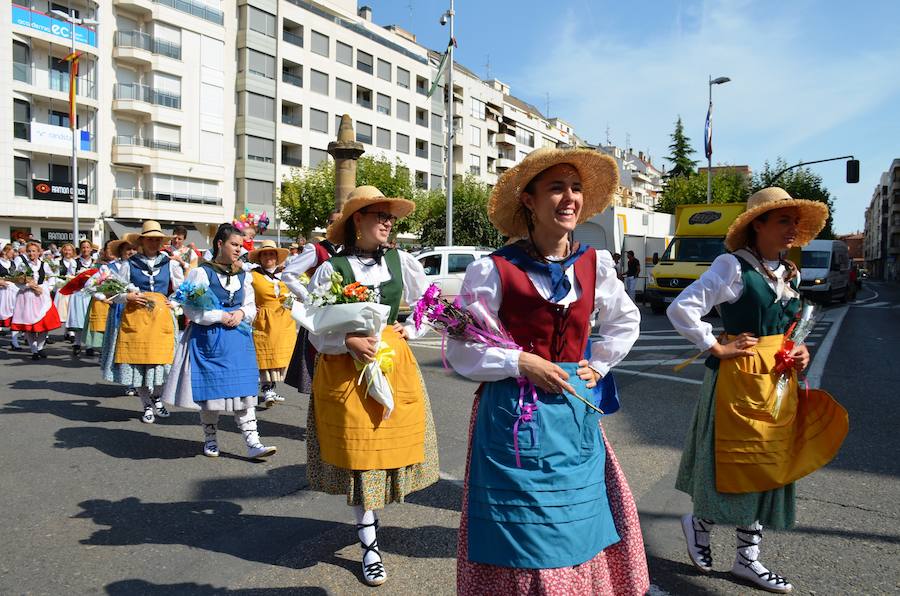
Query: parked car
[(446, 267), (825, 271)]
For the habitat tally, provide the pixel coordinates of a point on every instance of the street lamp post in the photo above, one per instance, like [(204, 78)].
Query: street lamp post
[(449, 15), (73, 187), (707, 141)]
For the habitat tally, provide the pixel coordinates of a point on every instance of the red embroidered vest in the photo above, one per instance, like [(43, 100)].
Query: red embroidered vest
[(556, 333)]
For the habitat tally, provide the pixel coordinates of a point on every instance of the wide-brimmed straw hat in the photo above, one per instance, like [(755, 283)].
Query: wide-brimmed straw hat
[(114, 245), (813, 216), (253, 255), (360, 198), (150, 229), (599, 179)]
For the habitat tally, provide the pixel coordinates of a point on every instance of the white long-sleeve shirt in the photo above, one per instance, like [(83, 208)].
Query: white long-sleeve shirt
[(414, 285), (614, 312), (232, 284), (721, 283), (296, 266)]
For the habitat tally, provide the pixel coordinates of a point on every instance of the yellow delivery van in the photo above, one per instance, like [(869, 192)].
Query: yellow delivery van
[(699, 238)]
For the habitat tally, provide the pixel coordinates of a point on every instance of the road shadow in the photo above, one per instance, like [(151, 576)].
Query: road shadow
[(278, 482), (130, 587), (444, 494), (222, 527), (676, 577), (129, 444), (98, 389)]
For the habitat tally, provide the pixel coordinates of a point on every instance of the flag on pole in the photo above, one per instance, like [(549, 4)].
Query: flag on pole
[(442, 67), (72, 59), (707, 133)]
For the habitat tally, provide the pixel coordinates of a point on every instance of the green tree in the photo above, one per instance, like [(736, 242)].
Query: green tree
[(727, 187), (682, 164), (801, 183), (307, 198), (470, 221)]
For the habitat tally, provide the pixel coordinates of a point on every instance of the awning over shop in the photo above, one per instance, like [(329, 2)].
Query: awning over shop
[(118, 229)]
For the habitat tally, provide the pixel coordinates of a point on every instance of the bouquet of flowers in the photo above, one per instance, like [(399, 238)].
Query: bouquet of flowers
[(199, 296), (54, 265), (353, 308), (105, 285), (21, 274), (784, 364)]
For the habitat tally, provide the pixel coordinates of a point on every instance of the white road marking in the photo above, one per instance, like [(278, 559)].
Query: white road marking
[(864, 300), (622, 371), (874, 305), (817, 367)]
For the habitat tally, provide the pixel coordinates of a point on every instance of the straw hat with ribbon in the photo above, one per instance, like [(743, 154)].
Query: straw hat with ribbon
[(113, 246), (150, 229), (813, 216), (360, 198), (267, 245), (599, 179)]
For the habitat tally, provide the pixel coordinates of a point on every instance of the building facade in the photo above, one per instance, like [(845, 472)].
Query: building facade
[(190, 111), (881, 245)]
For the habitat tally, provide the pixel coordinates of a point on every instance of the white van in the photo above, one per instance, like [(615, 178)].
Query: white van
[(825, 271), (446, 265)]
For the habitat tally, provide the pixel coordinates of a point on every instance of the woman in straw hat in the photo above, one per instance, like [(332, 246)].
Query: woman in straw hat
[(300, 370), (274, 331), (97, 310), (742, 454), (78, 301), (215, 366), (546, 508), (120, 251), (143, 344), (67, 266), (351, 449), (34, 312)]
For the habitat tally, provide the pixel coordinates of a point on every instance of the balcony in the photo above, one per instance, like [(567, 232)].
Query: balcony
[(139, 48), (59, 81), (153, 144), (132, 203), (291, 78), (139, 151), (504, 163), (197, 9), (134, 194), (287, 160), (292, 38), (506, 138), (140, 99)]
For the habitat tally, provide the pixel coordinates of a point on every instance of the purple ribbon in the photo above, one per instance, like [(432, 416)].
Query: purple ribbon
[(526, 412)]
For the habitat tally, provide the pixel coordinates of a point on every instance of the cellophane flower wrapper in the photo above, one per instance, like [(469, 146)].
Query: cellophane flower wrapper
[(336, 309), (796, 336), (200, 297)]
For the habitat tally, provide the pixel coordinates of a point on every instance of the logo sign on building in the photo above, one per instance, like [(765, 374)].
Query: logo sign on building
[(58, 136), (46, 190), (60, 237), (57, 27)]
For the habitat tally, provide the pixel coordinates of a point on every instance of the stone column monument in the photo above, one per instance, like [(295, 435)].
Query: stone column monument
[(345, 151)]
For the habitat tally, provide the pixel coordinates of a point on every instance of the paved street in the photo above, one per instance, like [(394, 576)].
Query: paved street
[(94, 502)]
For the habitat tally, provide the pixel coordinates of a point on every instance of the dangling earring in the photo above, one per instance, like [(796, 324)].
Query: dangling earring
[(358, 236)]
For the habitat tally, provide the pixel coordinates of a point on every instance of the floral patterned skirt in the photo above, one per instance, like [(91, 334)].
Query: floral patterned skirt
[(620, 569), (373, 489)]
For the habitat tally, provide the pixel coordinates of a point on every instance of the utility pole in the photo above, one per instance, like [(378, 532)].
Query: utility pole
[(450, 125)]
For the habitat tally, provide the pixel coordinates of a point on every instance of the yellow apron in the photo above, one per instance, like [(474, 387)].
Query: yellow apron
[(97, 316), (146, 336), (274, 331), (757, 451), (352, 434)]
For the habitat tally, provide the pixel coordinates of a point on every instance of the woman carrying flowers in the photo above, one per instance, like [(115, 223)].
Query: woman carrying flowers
[(98, 308), (66, 267), (8, 291), (274, 331), (78, 301), (352, 449), (215, 366), (743, 454), (120, 251), (546, 507), (143, 344), (34, 312)]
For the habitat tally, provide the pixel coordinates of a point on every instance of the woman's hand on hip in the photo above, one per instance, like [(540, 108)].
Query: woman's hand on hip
[(361, 347), (544, 374), (136, 298), (586, 373), (737, 347)]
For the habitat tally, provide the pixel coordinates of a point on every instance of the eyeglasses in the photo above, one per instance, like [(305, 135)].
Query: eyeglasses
[(383, 217)]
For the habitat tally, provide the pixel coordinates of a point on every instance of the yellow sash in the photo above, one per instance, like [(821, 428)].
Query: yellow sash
[(274, 331), (352, 434), (757, 451), (97, 316), (146, 336)]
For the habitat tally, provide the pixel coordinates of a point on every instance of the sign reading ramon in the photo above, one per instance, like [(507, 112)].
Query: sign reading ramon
[(705, 217), (46, 190)]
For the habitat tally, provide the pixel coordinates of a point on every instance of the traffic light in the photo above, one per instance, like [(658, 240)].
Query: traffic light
[(852, 171)]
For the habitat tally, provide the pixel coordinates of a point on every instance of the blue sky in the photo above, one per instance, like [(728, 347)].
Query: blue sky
[(810, 79)]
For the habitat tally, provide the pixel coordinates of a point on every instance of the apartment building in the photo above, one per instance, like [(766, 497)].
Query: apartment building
[(881, 245), (640, 182), (192, 110)]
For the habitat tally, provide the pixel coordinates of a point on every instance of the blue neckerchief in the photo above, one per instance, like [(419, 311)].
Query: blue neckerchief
[(556, 271)]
